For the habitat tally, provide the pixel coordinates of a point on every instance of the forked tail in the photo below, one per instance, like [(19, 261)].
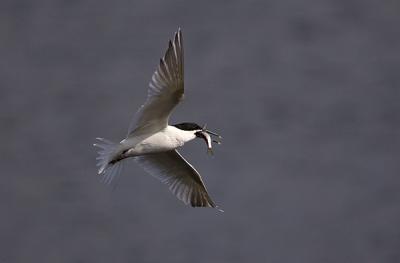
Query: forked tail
[(106, 154)]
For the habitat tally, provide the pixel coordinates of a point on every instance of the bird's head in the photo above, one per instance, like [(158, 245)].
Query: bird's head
[(200, 132)]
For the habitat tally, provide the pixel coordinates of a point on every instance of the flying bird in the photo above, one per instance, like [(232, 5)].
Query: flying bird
[(153, 143)]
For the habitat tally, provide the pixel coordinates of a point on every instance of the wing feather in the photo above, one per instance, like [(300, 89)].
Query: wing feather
[(183, 180), (166, 89)]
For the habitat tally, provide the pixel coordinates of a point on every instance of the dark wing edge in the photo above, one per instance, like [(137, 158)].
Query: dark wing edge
[(166, 88), (183, 180), (170, 70)]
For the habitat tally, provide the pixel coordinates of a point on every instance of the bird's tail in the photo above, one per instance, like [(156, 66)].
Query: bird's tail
[(106, 154)]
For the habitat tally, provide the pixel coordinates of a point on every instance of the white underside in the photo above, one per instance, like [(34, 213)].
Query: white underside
[(167, 139)]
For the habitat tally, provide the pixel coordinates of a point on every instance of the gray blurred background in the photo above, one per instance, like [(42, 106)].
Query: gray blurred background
[(305, 93)]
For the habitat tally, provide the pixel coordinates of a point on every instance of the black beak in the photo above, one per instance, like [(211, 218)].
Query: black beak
[(210, 132), (213, 133)]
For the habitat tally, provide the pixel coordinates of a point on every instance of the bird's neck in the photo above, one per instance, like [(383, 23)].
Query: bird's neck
[(181, 135)]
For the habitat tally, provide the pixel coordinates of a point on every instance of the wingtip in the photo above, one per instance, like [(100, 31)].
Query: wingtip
[(178, 35), (212, 205)]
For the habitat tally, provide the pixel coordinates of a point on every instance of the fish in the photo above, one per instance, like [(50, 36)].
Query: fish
[(205, 134)]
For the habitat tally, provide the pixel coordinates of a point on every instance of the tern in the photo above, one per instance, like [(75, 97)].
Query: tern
[(153, 143)]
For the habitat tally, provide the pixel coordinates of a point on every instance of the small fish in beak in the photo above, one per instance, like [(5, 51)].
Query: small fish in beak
[(207, 138), (205, 134)]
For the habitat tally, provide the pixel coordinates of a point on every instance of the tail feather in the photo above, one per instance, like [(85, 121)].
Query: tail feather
[(111, 172), (106, 154)]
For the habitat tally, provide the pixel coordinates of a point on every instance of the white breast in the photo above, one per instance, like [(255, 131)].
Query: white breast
[(167, 139)]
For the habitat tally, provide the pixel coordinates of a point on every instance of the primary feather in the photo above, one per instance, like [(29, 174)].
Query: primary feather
[(166, 89), (183, 180)]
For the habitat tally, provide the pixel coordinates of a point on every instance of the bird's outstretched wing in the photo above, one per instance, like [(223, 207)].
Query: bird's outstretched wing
[(166, 89), (183, 180)]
